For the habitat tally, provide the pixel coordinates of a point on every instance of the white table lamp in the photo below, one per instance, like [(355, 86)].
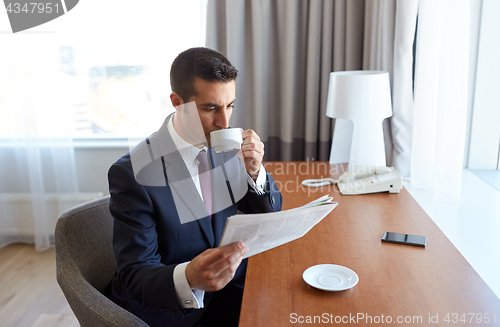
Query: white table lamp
[(364, 97)]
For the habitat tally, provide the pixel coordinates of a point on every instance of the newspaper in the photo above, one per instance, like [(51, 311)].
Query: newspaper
[(261, 232)]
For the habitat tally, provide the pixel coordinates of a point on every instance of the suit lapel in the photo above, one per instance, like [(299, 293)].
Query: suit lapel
[(218, 224)]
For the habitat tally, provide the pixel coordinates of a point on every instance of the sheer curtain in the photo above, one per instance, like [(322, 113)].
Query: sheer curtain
[(37, 169), (441, 79)]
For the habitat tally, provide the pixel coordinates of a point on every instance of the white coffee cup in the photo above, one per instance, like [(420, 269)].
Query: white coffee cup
[(224, 140)]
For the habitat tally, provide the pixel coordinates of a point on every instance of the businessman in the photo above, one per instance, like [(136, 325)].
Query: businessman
[(171, 196)]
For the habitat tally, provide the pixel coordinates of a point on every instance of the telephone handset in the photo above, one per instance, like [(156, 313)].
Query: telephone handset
[(362, 173), (362, 181)]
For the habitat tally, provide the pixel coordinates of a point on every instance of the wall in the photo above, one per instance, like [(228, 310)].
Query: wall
[(92, 166)]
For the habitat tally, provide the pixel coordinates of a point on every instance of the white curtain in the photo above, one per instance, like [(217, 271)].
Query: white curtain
[(389, 36), (440, 96), (37, 166)]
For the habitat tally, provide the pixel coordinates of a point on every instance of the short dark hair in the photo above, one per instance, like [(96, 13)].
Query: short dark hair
[(205, 63)]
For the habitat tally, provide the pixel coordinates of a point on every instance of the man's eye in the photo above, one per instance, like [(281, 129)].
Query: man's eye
[(231, 106)]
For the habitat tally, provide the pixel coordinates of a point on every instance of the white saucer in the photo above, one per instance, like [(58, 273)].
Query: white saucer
[(330, 277)]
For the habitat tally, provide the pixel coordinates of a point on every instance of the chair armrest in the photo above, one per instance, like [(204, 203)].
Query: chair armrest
[(90, 306)]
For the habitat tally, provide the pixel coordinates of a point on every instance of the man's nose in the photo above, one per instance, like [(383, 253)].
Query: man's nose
[(222, 119)]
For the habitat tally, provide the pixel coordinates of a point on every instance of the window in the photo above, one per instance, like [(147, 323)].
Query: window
[(484, 149), (498, 165), (120, 87), (485, 127)]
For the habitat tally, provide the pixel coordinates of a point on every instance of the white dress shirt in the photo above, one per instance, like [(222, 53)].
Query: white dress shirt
[(186, 296)]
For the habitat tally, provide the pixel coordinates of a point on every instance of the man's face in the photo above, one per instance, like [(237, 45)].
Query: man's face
[(215, 104)]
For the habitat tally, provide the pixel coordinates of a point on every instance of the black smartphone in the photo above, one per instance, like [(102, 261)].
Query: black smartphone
[(405, 239)]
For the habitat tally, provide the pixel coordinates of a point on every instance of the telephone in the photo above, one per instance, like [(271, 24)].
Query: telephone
[(363, 181)]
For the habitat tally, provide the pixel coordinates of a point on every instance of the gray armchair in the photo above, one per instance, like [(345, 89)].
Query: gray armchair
[(86, 264)]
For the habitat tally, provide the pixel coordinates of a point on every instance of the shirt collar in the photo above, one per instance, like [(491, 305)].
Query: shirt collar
[(187, 151)]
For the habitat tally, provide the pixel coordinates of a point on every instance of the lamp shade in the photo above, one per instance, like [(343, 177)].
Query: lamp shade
[(364, 97)]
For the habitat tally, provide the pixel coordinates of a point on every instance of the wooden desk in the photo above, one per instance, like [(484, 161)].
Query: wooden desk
[(394, 280)]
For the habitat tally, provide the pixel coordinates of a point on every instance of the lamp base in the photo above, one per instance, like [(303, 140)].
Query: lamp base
[(341, 141), (362, 145)]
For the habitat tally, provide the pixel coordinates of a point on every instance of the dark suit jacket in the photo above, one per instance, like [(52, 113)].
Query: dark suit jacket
[(149, 239)]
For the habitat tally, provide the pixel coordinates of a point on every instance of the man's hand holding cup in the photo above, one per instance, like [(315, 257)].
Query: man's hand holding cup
[(252, 149)]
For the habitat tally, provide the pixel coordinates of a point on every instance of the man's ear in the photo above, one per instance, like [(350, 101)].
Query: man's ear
[(176, 100)]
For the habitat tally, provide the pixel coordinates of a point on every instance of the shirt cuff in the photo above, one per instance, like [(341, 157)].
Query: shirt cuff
[(188, 298), (258, 185)]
